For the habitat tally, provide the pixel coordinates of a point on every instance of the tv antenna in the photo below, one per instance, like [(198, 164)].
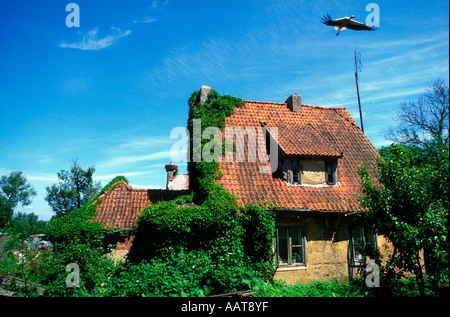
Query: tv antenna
[(358, 67)]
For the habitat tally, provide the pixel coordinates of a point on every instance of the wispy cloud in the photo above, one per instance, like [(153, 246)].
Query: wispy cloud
[(108, 177), (123, 160), (144, 20), (91, 41), (142, 143), (42, 177)]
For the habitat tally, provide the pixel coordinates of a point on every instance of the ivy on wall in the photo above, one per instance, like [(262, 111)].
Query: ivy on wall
[(209, 219), (79, 225)]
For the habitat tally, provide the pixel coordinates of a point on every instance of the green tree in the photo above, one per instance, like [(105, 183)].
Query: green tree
[(14, 189), (24, 225), (409, 202), (75, 188), (411, 209)]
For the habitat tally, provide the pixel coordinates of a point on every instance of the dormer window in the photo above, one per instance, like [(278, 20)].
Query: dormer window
[(314, 172)]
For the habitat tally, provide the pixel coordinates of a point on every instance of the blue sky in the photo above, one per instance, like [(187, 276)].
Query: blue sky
[(110, 91)]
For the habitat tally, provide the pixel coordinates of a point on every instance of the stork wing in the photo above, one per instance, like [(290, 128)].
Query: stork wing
[(328, 20), (358, 26)]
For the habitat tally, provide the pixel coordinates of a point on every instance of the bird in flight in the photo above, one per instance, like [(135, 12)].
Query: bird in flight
[(346, 23)]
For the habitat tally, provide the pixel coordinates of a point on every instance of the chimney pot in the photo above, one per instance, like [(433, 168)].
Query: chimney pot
[(171, 170), (294, 103)]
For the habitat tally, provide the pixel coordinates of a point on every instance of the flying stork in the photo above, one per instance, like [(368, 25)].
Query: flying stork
[(346, 23)]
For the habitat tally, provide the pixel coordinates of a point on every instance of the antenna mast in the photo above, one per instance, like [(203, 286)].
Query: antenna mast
[(358, 67)]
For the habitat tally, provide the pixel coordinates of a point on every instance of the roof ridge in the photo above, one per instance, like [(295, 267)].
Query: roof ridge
[(324, 107), (303, 105), (265, 102)]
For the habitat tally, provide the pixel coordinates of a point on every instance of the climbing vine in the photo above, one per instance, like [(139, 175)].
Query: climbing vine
[(209, 220), (203, 174), (79, 225)]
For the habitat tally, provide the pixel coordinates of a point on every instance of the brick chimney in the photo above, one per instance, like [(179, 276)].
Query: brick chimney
[(171, 170), (294, 103), (203, 95)]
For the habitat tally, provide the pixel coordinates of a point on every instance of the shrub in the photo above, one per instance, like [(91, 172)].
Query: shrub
[(178, 274)]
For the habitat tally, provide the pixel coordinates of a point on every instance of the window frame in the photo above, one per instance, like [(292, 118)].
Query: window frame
[(333, 166), (365, 235), (291, 171), (291, 262)]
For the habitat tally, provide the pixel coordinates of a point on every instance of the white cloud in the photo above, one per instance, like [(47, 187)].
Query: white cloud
[(120, 161), (109, 177), (42, 177), (145, 20), (91, 40)]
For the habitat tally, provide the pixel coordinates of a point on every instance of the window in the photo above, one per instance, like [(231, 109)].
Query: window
[(290, 246), (363, 244), (309, 172), (294, 172), (330, 172)]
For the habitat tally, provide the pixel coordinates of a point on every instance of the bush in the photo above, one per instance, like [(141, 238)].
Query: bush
[(240, 238), (181, 274)]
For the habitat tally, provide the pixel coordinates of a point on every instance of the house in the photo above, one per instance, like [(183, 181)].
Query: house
[(313, 188), (120, 207)]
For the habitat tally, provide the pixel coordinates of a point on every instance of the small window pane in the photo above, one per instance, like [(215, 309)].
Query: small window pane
[(329, 172), (297, 255), (370, 236), (283, 242), (358, 237), (296, 236), (295, 169), (359, 253)]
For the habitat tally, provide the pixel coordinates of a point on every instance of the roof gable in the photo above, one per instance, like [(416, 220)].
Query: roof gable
[(120, 207)]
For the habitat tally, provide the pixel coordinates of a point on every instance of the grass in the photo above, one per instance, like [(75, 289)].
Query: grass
[(353, 288)]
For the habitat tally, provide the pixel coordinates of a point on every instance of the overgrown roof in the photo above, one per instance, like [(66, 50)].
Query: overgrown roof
[(120, 206)]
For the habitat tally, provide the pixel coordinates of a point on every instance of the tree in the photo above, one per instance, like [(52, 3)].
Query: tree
[(23, 225), (411, 209), (14, 189), (75, 188), (425, 120), (411, 204)]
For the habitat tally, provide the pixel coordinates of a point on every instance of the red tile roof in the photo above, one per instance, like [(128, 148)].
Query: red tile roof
[(316, 131), (120, 207)]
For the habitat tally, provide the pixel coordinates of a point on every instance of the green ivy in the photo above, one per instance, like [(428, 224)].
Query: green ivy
[(203, 175), (79, 225), (237, 240)]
